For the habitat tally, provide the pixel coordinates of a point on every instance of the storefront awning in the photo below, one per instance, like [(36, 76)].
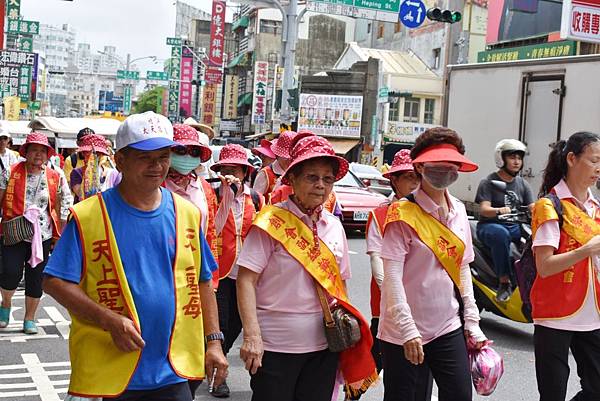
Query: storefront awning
[(241, 23), (342, 145), (66, 143), (240, 59), (246, 98)]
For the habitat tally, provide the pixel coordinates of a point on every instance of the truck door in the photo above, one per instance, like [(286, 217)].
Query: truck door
[(541, 111)]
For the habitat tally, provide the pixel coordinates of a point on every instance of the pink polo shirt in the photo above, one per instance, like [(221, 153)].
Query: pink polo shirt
[(288, 309), (548, 234), (432, 307)]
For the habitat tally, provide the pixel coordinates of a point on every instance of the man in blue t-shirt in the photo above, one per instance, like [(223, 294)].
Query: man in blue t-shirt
[(142, 216)]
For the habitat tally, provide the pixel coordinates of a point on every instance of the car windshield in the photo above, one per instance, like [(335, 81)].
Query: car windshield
[(364, 169), (350, 180)]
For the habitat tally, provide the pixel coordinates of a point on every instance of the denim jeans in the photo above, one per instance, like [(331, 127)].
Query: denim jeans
[(498, 237)]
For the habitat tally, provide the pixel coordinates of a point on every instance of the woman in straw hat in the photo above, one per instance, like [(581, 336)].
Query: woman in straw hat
[(285, 348), (94, 176), (426, 253), (32, 216)]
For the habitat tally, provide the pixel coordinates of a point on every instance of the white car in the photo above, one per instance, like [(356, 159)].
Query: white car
[(372, 178)]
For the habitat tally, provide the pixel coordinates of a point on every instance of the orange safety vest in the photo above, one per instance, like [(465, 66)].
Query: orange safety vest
[(14, 199), (283, 192), (211, 231), (573, 283), (229, 242), (271, 179), (377, 216)]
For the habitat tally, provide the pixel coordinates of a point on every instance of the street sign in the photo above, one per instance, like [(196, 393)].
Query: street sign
[(25, 43), (23, 26), (383, 95), (157, 76), (124, 74), (581, 20), (412, 13), (127, 100), (380, 10), (173, 41), (34, 106), (13, 9)]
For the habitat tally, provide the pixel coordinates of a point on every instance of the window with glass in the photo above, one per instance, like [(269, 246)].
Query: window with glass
[(411, 109), (429, 111), (394, 111), (380, 30), (270, 26)]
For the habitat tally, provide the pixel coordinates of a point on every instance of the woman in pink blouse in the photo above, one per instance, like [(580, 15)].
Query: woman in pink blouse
[(424, 316), (285, 348)]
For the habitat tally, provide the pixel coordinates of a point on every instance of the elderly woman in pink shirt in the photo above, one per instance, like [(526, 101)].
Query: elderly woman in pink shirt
[(427, 305), (285, 348)]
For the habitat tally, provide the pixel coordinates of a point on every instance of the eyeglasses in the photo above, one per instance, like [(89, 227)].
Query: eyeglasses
[(193, 151), (313, 179)]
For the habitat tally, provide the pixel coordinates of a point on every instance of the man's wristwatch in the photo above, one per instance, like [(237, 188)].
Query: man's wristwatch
[(218, 336)]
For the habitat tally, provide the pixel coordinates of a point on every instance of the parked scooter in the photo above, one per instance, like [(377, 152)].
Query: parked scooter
[(485, 280)]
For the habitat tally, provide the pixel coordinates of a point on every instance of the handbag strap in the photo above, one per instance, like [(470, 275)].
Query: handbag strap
[(329, 322)]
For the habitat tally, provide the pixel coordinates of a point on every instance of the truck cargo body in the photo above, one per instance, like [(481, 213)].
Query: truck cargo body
[(535, 101)]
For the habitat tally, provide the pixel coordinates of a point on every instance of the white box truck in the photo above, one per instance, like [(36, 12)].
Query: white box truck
[(535, 101)]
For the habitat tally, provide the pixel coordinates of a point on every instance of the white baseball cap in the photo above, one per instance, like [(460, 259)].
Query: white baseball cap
[(4, 129), (147, 131)]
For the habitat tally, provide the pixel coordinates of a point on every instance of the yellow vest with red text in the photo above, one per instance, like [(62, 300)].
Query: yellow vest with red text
[(98, 367)]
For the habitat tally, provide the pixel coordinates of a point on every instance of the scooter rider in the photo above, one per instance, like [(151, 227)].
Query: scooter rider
[(492, 231)]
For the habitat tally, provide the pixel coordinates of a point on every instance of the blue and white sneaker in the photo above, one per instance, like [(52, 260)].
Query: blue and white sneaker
[(4, 317)]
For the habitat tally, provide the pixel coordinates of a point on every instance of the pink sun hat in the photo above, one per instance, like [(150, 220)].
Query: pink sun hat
[(264, 149), (312, 147), (281, 148), (232, 155), (186, 135), (402, 162), (36, 138), (93, 143)]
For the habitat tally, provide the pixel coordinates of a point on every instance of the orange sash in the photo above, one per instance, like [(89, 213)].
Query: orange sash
[(289, 230)]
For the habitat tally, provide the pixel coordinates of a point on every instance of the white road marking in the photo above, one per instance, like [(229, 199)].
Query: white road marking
[(41, 378), (352, 253), (62, 324)]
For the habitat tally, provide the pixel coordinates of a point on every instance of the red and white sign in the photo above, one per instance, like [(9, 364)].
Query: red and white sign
[(217, 43), (187, 74), (259, 97), (581, 20), (213, 75)]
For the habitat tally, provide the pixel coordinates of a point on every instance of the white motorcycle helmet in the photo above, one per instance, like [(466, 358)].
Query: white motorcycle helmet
[(508, 146)]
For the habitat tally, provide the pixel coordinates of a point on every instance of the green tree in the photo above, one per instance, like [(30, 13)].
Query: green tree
[(149, 100)]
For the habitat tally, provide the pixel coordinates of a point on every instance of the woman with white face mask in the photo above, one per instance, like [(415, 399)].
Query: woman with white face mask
[(427, 306)]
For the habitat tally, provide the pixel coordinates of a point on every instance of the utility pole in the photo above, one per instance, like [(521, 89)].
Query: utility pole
[(289, 54)]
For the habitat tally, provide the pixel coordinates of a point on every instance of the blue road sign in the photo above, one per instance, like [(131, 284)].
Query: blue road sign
[(412, 13)]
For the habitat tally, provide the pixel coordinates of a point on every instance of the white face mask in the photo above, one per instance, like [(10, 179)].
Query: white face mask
[(440, 175)]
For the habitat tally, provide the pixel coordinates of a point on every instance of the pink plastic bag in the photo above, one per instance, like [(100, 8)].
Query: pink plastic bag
[(487, 367)]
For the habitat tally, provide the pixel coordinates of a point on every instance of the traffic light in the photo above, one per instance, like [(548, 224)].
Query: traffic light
[(293, 98), (447, 16)]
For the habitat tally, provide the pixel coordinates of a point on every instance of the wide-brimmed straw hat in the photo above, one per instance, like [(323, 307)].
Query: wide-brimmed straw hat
[(38, 139), (401, 163), (264, 149), (446, 152), (186, 135), (232, 155), (93, 143), (312, 147)]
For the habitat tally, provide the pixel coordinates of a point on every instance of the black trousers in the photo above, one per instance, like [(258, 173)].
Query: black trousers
[(229, 315), (552, 362), (446, 358), (173, 392), (376, 349), (295, 377), (14, 262)]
